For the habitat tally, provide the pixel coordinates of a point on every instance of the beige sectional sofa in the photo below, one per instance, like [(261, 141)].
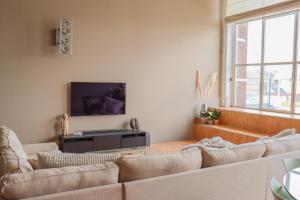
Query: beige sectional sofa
[(159, 177), (243, 180)]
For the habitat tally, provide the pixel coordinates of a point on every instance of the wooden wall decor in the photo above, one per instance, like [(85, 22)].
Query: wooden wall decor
[(210, 84), (198, 83)]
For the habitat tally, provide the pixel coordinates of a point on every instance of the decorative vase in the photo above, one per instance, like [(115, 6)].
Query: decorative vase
[(134, 124), (210, 122), (203, 111)]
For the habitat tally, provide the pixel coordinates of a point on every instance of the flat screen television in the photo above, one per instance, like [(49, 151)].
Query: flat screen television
[(97, 98)]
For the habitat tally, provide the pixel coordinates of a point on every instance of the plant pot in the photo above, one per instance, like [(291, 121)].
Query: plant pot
[(203, 120), (216, 122), (210, 122)]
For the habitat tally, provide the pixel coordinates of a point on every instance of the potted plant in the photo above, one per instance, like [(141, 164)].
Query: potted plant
[(210, 118), (217, 115), (214, 117)]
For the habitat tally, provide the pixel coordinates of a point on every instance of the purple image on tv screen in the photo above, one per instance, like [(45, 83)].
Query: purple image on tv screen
[(97, 98)]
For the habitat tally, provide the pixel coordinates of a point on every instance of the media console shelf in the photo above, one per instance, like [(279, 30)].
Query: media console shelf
[(103, 140)]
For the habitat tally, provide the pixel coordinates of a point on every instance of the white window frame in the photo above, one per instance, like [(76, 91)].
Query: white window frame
[(232, 48)]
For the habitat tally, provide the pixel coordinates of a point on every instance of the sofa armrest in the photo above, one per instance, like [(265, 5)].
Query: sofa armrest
[(33, 149)]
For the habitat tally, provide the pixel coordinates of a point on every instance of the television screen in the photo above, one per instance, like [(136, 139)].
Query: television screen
[(97, 98)]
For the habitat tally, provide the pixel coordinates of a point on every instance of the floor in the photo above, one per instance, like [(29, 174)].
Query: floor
[(171, 147)]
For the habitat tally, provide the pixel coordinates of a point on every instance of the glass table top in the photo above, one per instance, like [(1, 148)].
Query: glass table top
[(292, 183)]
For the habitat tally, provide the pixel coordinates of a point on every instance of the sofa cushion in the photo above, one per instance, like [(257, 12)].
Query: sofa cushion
[(282, 145), (34, 164), (56, 160), (13, 159), (284, 133), (220, 156), (142, 167), (237, 181), (48, 181)]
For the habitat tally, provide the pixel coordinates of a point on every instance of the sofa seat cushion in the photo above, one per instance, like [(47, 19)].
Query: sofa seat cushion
[(13, 158), (141, 167), (282, 145), (220, 156), (49, 181), (58, 159)]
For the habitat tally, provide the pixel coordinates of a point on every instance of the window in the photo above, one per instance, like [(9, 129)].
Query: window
[(265, 58), (240, 6)]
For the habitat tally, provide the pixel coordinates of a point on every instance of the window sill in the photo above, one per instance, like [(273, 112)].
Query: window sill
[(263, 113)]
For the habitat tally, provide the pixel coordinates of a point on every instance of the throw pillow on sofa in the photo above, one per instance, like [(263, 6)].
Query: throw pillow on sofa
[(13, 159), (50, 181), (220, 156), (142, 167), (282, 145), (56, 160), (284, 133)]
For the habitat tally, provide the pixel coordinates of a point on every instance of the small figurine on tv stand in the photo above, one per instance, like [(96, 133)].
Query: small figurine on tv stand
[(64, 124)]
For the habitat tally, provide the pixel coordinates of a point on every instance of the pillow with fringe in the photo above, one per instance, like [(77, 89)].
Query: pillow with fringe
[(57, 160)]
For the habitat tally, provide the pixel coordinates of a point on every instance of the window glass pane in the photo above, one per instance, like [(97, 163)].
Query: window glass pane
[(297, 95), (248, 42), (279, 39), (277, 87), (247, 86)]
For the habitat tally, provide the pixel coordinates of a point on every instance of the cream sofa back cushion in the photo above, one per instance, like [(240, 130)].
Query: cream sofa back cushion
[(220, 156), (13, 159), (282, 145), (49, 181), (142, 167), (57, 159)]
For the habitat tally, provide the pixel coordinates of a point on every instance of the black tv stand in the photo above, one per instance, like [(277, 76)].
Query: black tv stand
[(100, 140)]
